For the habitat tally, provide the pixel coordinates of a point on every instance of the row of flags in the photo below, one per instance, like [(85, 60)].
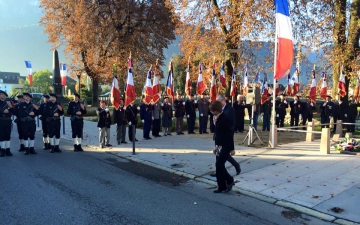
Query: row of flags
[(63, 72)]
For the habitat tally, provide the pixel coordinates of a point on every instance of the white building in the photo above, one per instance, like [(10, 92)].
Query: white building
[(9, 81)]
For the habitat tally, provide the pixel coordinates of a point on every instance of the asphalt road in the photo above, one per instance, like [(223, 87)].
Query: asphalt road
[(100, 188)]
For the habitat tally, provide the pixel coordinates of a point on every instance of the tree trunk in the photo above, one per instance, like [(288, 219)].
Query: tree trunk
[(95, 92)]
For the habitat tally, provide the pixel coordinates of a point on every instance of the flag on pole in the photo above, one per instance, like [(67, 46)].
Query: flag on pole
[(233, 85), (156, 84), (130, 95), (313, 87), (289, 89), (277, 90), (170, 83), (148, 88), (188, 81), (222, 76), (246, 81), (341, 83), (115, 93), (295, 82), (257, 78), (357, 88), (264, 91), (323, 91), (29, 69), (63, 74), (201, 85), (213, 85), (285, 46)]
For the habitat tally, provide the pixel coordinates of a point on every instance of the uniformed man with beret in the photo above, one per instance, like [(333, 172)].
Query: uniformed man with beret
[(280, 110), (53, 110), (327, 110), (44, 123), (6, 111), (27, 112), (20, 99), (77, 110)]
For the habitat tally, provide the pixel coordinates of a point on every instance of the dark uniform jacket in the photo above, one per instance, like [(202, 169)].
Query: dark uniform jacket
[(24, 109), (146, 112), (352, 110), (295, 108), (75, 107), (240, 108), (230, 114), (190, 107), (50, 108), (120, 116), (131, 114), (328, 109), (203, 107), (280, 107), (266, 107), (339, 110), (307, 110), (104, 119), (223, 134), (4, 106), (166, 115), (179, 108)]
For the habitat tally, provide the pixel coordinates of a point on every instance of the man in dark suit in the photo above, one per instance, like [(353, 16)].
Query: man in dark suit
[(131, 116), (307, 110), (203, 107), (280, 109), (339, 111), (146, 118), (351, 113), (327, 111), (266, 112), (239, 107), (190, 106), (104, 123), (295, 111), (120, 121), (179, 106)]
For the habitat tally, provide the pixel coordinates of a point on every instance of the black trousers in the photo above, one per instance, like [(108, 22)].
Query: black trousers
[(294, 120), (325, 119), (191, 124), (54, 128), (203, 121), (280, 121), (351, 119), (5, 126), (131, 133), (77, 126), (212, 125), (156, 127), (309, 119), (44, 125), (223, 178), (29, 129), (239, 126), (146, 128), (19, 129)]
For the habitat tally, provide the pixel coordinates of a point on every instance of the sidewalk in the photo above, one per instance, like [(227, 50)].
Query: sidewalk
[(293, 175)]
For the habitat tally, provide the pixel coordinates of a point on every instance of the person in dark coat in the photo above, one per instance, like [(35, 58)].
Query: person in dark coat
[(224, 143), (44, 123), (77, 110), (307, 111), (203, 107), (280, 110), (104, 123), (146, 118), (190, 107), (131, 116), (156, 120), (121, 122), (351, 113), (18, 123), (295, 111), (167, 116), (239, 107), (6, 111), (179, 106), (327, 111), (339, 111), (266, 113)]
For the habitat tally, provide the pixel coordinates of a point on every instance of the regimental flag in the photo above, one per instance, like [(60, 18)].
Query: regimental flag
[(148, 88), (257, 78), (313, 87), (130, 95), (233, 85), (29, 69), (341, 83), (246, 81), (295, 82), (265, 91), (323, 90), (289, 89), (213, 89), (357, 87), (63, 74), (188, 81), (285, 47), (201, 84), (170, 83), (156, 84), (115, 93), (222, 76)]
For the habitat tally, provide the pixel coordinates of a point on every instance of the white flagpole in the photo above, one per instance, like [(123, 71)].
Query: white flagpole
[(274, 91)]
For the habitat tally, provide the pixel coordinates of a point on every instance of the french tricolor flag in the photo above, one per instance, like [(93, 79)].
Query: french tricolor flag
[(148, 88), (63, 74), (222, 76), (201, 85), (130, 95), (29, 69), (115, 93), (323, 91), (213, 91), (233, 85), (156, 84), (246, 82), (188, 81), (285, 48), (313, 87), (341, 83), (170, 83)]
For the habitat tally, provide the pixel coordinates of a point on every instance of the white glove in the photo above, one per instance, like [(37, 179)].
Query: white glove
[(153, 118), (130, 123), (285, 101), (295, 102), (195, 101), (340, 101), (138, 108), (277, 115), (300, 116), (162, 104), (272, 101), (330, 117), (324, 104), (169, 103), (106, 110), (124, 107), (262, 114), (201, 114), (188, 116), (311, 104), (229, 101), (183, 103), (345, 115), (143, 121), (172, 118)]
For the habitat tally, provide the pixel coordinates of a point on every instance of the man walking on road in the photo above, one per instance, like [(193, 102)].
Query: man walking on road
[(77, 110)]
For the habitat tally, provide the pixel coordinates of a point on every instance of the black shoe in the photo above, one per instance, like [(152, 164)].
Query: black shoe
[(26, 151), (22, 148), (7, 152), (76, 149), (57, 149), (193, 133), (177, 133), (2, 152), (124, 142), (32, 151), (181, 133), (205, 132), (119, 143), (218, 191), (158, 135), (229, 187), (169, 134), (235, 131), (213, 175), (136, 139), (45, 146), (80, 149), (109, 145), (238, 171), (165, 134), (52, 150)]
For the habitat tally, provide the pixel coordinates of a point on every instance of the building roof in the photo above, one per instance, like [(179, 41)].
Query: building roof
[(9, 77)]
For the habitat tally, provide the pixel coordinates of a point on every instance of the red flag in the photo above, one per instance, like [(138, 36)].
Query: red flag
[(233, 85), (130, 95), (289, 89), (323, 91), (201, 85), (213, 85), (313, 87), (341, 83), (246, 82), (356, 91), (264, 91), (188, 81), (148, 88), (156, 84), (115, 93), (222, 76)]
